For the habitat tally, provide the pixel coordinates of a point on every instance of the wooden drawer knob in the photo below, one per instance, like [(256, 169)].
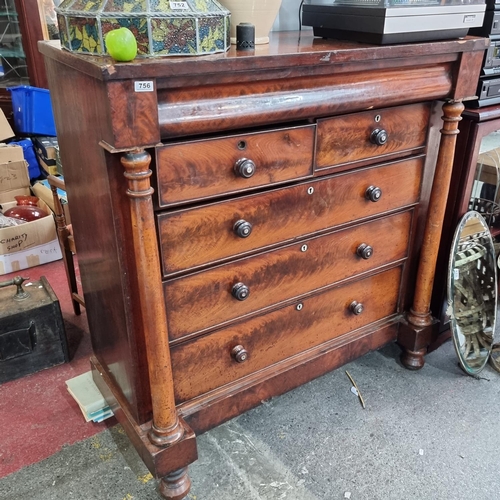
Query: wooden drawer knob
[(239, 354), (240, 291), (244, 168), (356, 307), (379, 137), (242, 228), (364, 251), (373, 193)]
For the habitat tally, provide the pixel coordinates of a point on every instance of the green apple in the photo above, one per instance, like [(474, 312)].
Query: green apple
[(121, 44)]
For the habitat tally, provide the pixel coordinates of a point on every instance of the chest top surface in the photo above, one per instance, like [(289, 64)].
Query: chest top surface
[(291, 49), (295, 77)]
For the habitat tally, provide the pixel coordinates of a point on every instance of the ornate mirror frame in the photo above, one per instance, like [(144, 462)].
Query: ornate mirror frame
[(472, 292)]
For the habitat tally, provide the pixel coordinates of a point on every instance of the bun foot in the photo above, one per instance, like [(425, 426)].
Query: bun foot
[(413, 360), (176, 485)]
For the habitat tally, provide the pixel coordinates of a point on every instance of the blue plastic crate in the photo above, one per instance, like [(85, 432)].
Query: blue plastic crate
[(29, 156), (32, 111)]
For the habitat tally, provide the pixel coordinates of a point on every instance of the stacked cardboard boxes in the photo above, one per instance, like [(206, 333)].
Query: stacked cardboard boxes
[(32, 243)]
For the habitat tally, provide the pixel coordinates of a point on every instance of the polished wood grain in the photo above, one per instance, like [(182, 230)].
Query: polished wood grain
[(206, 363), (324, 95), (138, 110), (100, 233), (291, 52), (204, 169), (284, 214), (157, 459), (30, 22), (293, 81), (346, 139), (420, 314), (166, 428), (204, 300), (290, 80), (220, 405), (416, 334)]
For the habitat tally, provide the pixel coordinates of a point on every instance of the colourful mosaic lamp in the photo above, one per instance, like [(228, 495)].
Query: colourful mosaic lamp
[(161, 27)]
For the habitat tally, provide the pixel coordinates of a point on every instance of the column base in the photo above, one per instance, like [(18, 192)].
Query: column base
[(414, 341), (413, 360)]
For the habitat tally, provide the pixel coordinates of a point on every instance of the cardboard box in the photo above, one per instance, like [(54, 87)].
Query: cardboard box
[(47, 149), (6, 131), (29, 244), (9, 152), (8, 196), (13, 169), (14, 176), (43, 191)]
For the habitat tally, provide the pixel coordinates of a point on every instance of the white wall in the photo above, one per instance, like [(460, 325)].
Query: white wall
[(288, 16)]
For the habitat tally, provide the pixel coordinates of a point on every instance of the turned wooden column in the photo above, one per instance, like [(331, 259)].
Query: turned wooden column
[(416, 330), (166, 429)]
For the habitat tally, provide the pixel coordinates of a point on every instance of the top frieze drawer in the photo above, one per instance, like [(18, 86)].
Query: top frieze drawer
[(208, 168), (371, 135)]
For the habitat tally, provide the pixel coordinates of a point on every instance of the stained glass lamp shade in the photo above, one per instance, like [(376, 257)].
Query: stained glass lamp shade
[(161, 27)]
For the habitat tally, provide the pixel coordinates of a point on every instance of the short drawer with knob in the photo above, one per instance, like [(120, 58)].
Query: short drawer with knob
[(247, 224), (371, 135), (241, 349), (219, 166), (211, 298)]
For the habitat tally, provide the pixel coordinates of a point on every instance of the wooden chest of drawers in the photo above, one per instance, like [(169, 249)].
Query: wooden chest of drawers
[(254, 221)]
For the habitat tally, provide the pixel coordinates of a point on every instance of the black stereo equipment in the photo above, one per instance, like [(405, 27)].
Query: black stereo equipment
[(393, 21), (488, 92), (492, 59), (488, 89)]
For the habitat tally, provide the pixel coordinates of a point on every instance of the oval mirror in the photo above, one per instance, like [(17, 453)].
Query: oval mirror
[(472, 298)]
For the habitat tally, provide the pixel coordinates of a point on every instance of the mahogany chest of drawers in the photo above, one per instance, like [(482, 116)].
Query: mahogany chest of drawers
[(254, 220)]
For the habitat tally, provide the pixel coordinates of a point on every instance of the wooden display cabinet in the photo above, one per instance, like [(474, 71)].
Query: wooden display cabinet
[(475, 185), (22, 24)]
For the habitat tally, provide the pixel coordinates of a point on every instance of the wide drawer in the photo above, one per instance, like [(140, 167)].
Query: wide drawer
[(221, 294), (211, 167), (371, 134), (212, 361), (196, 237)]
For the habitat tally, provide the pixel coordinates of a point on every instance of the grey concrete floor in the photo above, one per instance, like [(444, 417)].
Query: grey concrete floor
[(430, 435)]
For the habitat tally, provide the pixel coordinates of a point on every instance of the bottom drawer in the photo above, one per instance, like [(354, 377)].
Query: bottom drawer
[(212, 361)]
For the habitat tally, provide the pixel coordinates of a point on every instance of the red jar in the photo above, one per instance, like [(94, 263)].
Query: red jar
[(26, 209)]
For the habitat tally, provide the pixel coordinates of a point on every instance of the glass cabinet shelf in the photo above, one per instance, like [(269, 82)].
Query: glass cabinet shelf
[(485, 195), (13, 67), (35, 20)]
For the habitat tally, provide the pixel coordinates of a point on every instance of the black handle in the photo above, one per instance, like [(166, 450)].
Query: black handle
[(240, 291), (373, 193), (379, 137), (244, 168), (242, 228), (356, 307), (239, 353), (364, 251)]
